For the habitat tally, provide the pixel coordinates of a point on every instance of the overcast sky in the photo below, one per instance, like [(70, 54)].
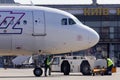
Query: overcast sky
[(67, 1)]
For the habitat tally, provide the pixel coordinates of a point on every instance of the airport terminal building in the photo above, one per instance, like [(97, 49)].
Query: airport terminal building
[(105, 19)]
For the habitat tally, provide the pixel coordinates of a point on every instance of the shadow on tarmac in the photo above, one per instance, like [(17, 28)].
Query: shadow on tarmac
[(17, 76), (55, 76)]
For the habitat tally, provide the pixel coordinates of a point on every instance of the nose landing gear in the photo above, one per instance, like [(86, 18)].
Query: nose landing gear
[(38, 72)]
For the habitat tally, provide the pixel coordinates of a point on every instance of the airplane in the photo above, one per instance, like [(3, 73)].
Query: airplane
[(25, 30)]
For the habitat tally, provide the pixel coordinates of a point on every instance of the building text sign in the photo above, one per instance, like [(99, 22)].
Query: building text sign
[(100, 11)]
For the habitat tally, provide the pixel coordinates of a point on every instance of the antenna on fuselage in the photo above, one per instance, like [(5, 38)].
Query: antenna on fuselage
[(31, 3)]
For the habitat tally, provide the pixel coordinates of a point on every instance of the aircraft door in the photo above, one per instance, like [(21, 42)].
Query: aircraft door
[(39, 23)]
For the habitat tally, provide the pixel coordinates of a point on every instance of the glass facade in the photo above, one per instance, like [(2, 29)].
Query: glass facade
[(108, 27)]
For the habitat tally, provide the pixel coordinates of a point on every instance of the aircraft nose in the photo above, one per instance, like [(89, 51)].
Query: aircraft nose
[(93, 37)]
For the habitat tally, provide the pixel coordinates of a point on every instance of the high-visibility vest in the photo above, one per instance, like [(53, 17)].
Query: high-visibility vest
[(109, 62), (48, 61)]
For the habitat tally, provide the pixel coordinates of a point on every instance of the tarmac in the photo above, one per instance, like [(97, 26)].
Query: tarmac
[(27, 74)]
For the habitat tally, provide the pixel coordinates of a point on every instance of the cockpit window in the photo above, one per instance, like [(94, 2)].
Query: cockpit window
[(67, 21), (71, 22), (64, 21)]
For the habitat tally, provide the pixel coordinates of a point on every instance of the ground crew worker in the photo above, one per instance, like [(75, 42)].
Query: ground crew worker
[(48, 63), (109, 66)]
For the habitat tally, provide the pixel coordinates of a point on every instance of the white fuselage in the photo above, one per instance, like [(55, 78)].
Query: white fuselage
[(26, 30)]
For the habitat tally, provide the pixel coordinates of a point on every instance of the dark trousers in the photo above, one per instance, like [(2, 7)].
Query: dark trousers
[(109, 70), (47, 68)]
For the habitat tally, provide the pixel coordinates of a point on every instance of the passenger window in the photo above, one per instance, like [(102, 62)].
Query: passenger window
[(64, 21), (5, 22), (18, 22), (24, 22), (71, 22)]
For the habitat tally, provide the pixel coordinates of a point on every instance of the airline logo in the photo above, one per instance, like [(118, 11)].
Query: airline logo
[(9, 22)]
